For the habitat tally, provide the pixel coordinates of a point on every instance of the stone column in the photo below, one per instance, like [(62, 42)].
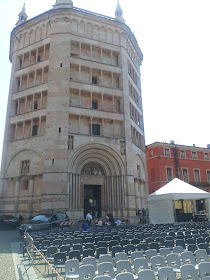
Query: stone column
[(102, 127), (102, 101), (34, 78), (20, 88), (105, 194), (80, 103), (41, 97), (73, 192), (39, 127), (42, 75), (79, 202), (29, 59), (25, 105), (123, 185), (31, 193), (22, 61), (70, 191), (37, 55), (27, 81), (17, 190), (79, 73), (76, 190), (31, 127), (113, 103), (118, 193), (23, 129), (91, 52), (91, 75), (67, 195), (18, 107), (44, 52), (15, 136), (91, 99), (79, 124), (142, 195), (80, 49), (113, 127), (91, 122), (110, 192), (33, 102), (101, 55), (102, 78), (112, 187), (136, 189)]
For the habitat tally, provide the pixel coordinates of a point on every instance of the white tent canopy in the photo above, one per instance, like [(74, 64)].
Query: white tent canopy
[(160, 203)]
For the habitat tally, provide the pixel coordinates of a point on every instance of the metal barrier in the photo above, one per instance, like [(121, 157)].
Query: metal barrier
[(31, 250)]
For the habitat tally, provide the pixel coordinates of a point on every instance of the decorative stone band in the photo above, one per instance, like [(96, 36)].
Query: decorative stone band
[(93, 179), (35, 200)]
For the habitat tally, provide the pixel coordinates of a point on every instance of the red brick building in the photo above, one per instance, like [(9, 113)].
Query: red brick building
[(166, 161)]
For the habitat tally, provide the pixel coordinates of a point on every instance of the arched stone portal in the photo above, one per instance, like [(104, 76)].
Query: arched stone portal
[(98, 168), (92, 182)]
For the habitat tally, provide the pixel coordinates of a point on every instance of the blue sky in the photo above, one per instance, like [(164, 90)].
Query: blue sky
[(174, 38)]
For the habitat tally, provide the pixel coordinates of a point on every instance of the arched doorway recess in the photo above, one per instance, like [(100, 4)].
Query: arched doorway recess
[(96, 167)]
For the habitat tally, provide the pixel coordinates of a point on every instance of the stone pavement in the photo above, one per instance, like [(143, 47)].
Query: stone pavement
[(7, 270), (12, 264)]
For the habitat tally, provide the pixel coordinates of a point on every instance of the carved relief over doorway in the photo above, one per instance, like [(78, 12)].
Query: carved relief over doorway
[(92, 173), (92, 169)]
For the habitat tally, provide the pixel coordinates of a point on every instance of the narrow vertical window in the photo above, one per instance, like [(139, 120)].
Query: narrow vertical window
[(151, 153), (35, 105), (94, 104), (167, 152), (35, 130), (185, 175), (169, 174), (95, 129), (197, 176), (194, 155), (94, 80), (206, 156)]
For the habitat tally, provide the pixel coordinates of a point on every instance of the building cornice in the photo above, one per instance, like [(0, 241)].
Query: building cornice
[(63, 11), (168, 145)]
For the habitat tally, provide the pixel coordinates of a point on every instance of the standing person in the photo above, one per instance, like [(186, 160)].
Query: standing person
[(20, 219), (140, 217), (89, 217), (144, 216), (147, 216)]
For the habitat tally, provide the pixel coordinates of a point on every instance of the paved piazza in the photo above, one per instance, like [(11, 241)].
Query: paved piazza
[(7, 270), (12, 266)]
